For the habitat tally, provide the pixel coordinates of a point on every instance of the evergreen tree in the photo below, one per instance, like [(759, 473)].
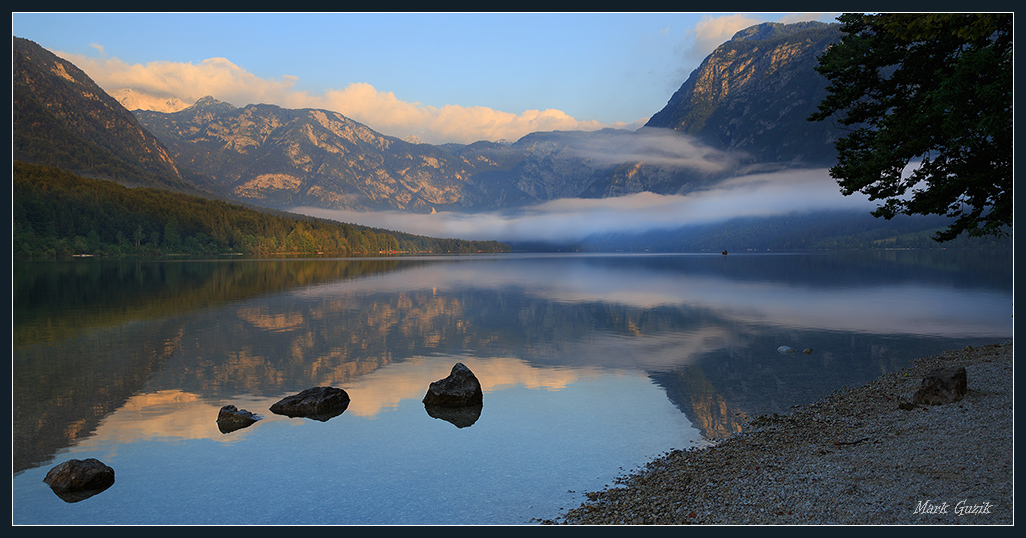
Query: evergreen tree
[(931, 90)]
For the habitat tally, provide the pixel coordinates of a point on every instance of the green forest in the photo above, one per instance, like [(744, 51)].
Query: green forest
[(59, 214)]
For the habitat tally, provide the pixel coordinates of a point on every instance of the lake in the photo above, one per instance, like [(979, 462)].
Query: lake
[(591, 365)]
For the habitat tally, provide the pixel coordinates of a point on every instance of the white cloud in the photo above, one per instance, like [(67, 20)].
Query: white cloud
[(379, 110), (712, 32)]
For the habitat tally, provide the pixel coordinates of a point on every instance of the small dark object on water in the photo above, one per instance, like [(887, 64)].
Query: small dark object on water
[(318, 403), (724, 252), (460, 389), (76, 480), (231, 418)]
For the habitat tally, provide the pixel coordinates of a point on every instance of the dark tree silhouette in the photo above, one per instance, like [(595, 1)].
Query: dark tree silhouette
[(927, 98)]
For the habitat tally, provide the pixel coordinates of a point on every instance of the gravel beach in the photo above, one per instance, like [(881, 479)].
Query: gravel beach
[(853, 458)]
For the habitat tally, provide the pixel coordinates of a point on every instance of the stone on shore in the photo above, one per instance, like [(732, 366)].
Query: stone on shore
[(75, 480), (318, 403), (231, 418), (460, 389), (942, 386)]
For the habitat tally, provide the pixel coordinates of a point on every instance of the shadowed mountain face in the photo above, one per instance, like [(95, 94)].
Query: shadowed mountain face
[(754, 93), (62, 118)]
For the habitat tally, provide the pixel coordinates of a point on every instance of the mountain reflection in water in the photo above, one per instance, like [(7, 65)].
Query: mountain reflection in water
[(108, 354)]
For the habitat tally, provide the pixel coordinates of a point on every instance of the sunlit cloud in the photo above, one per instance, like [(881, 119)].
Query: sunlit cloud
[(218, 77), (362, 102), (712, 32), (571, 219)]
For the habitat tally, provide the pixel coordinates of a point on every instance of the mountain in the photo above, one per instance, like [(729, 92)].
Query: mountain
[(283, 158), (755, 92), (286, 158), (61, 118), (747, 104)]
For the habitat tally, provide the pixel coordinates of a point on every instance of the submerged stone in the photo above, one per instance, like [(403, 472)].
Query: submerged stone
[(461, 388), (75, 480), (231, 418), (318, 403)]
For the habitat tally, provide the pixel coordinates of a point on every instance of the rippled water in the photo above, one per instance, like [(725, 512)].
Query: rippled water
[(591, 366)]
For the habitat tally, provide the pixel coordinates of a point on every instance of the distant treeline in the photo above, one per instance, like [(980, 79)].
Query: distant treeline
[(57, 214)]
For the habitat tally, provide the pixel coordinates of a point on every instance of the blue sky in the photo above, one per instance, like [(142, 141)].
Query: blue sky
[(444, 77)]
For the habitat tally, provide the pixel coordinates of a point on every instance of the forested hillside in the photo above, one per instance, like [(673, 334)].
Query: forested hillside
[(56, 213)]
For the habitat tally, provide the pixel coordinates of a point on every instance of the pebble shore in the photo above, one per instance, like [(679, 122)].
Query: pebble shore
[(853, 458)]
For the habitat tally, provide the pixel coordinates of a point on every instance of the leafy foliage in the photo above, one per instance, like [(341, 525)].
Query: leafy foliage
[(57, 213), (933, 91)]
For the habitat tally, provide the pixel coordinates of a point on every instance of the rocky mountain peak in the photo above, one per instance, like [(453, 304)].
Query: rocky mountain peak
[(209, 100), (772, 30), (754, 93)]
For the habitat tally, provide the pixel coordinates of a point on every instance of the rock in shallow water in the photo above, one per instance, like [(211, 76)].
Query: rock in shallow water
[(460, 389), (318, 403), (231, 418), (75, 480)]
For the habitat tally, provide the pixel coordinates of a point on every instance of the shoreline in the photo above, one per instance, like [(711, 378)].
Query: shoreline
[(852, 458)]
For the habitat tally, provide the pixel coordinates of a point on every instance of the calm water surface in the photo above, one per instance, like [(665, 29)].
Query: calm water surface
[(591, 365)]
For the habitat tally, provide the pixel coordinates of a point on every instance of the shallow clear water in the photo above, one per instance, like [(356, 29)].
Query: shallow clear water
[(591, 366)]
